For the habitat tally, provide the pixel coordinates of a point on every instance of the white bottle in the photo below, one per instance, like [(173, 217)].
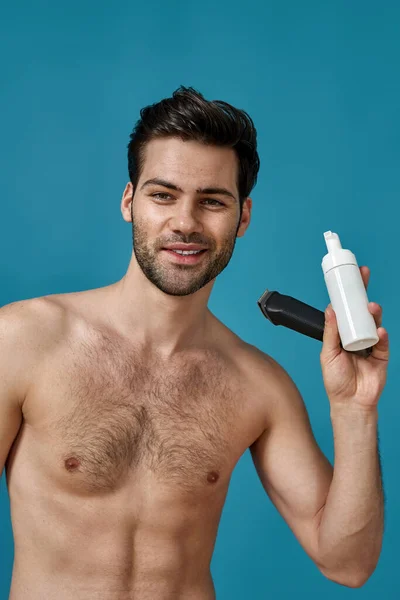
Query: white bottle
[(346, 289)]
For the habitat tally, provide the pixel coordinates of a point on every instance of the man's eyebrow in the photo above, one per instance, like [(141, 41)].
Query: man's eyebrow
[(215, 190), (172, 186)]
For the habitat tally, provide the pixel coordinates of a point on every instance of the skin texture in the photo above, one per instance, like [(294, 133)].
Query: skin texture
[(119, 473), (138, 404)]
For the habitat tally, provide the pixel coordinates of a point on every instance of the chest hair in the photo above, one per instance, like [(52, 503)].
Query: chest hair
[(124, 412)]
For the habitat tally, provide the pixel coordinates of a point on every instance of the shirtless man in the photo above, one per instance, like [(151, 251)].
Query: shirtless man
[(124, 409)]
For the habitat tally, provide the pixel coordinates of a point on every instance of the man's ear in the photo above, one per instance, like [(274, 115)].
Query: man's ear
[(126, 202), (246, 217)]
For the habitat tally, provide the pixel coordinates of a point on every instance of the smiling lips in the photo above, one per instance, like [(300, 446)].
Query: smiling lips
[(187, 259), (184, 247)]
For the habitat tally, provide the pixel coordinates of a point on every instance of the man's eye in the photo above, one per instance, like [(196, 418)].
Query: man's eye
[(161, 195), (165, 196), (212, 200)]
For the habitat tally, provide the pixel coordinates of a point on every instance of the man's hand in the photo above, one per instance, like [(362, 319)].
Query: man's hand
[(350, 379)]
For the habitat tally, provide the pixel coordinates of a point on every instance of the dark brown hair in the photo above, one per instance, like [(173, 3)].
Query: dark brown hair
[(189, 116)]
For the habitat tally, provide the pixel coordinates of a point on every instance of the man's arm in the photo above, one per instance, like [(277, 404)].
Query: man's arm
[(335, 513), (352, 520), (12, 377), (27, 329)]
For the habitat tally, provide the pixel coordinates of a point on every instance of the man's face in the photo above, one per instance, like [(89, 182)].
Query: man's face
[(163, 216)]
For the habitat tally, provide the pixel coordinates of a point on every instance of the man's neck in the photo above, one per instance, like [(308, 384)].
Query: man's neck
[(157, 321)]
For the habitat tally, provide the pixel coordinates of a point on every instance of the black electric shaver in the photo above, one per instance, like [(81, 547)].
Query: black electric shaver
[(296, 315)]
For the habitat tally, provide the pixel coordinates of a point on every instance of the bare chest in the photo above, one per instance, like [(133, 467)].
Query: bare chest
[(100, 416)]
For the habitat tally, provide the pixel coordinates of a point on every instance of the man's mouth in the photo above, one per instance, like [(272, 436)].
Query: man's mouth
[(187, 257)]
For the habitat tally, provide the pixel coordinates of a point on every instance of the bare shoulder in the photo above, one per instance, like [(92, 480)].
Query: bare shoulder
[(281, 396), (33, 318), (28, 328), (260, 365), (266, 366), (247, 358), (44, 317)]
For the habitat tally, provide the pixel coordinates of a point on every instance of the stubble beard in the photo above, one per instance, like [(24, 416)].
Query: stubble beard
[(175, 279)]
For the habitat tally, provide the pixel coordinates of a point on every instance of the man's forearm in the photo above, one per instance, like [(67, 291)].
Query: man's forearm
[(351, 526)]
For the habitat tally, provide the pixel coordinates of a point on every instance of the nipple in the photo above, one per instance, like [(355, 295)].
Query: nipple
[(71, 463), (212, 477)]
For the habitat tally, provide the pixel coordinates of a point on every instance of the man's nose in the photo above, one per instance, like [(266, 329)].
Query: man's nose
[(185, 218)]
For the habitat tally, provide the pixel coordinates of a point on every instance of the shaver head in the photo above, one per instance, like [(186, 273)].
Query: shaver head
[(262, 303)]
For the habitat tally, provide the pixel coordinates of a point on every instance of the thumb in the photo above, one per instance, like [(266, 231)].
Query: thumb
[(331, 338)]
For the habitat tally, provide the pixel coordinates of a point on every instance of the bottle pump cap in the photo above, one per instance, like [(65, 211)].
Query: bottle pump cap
[(332, 241), (336, 254)]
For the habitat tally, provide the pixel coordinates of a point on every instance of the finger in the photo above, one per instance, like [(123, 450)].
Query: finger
[(381, 350), (376, 311), (331, 338), (365, 274)]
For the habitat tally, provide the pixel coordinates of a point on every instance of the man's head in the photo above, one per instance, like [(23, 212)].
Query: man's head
[(192, 164)]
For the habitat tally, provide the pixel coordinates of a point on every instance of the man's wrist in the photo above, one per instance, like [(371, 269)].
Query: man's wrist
[(350, 410)]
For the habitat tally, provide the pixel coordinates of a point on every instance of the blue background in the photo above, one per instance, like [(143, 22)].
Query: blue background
[(321, 81)]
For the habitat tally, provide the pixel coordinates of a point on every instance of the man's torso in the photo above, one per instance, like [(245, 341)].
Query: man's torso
[(120, 470)]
